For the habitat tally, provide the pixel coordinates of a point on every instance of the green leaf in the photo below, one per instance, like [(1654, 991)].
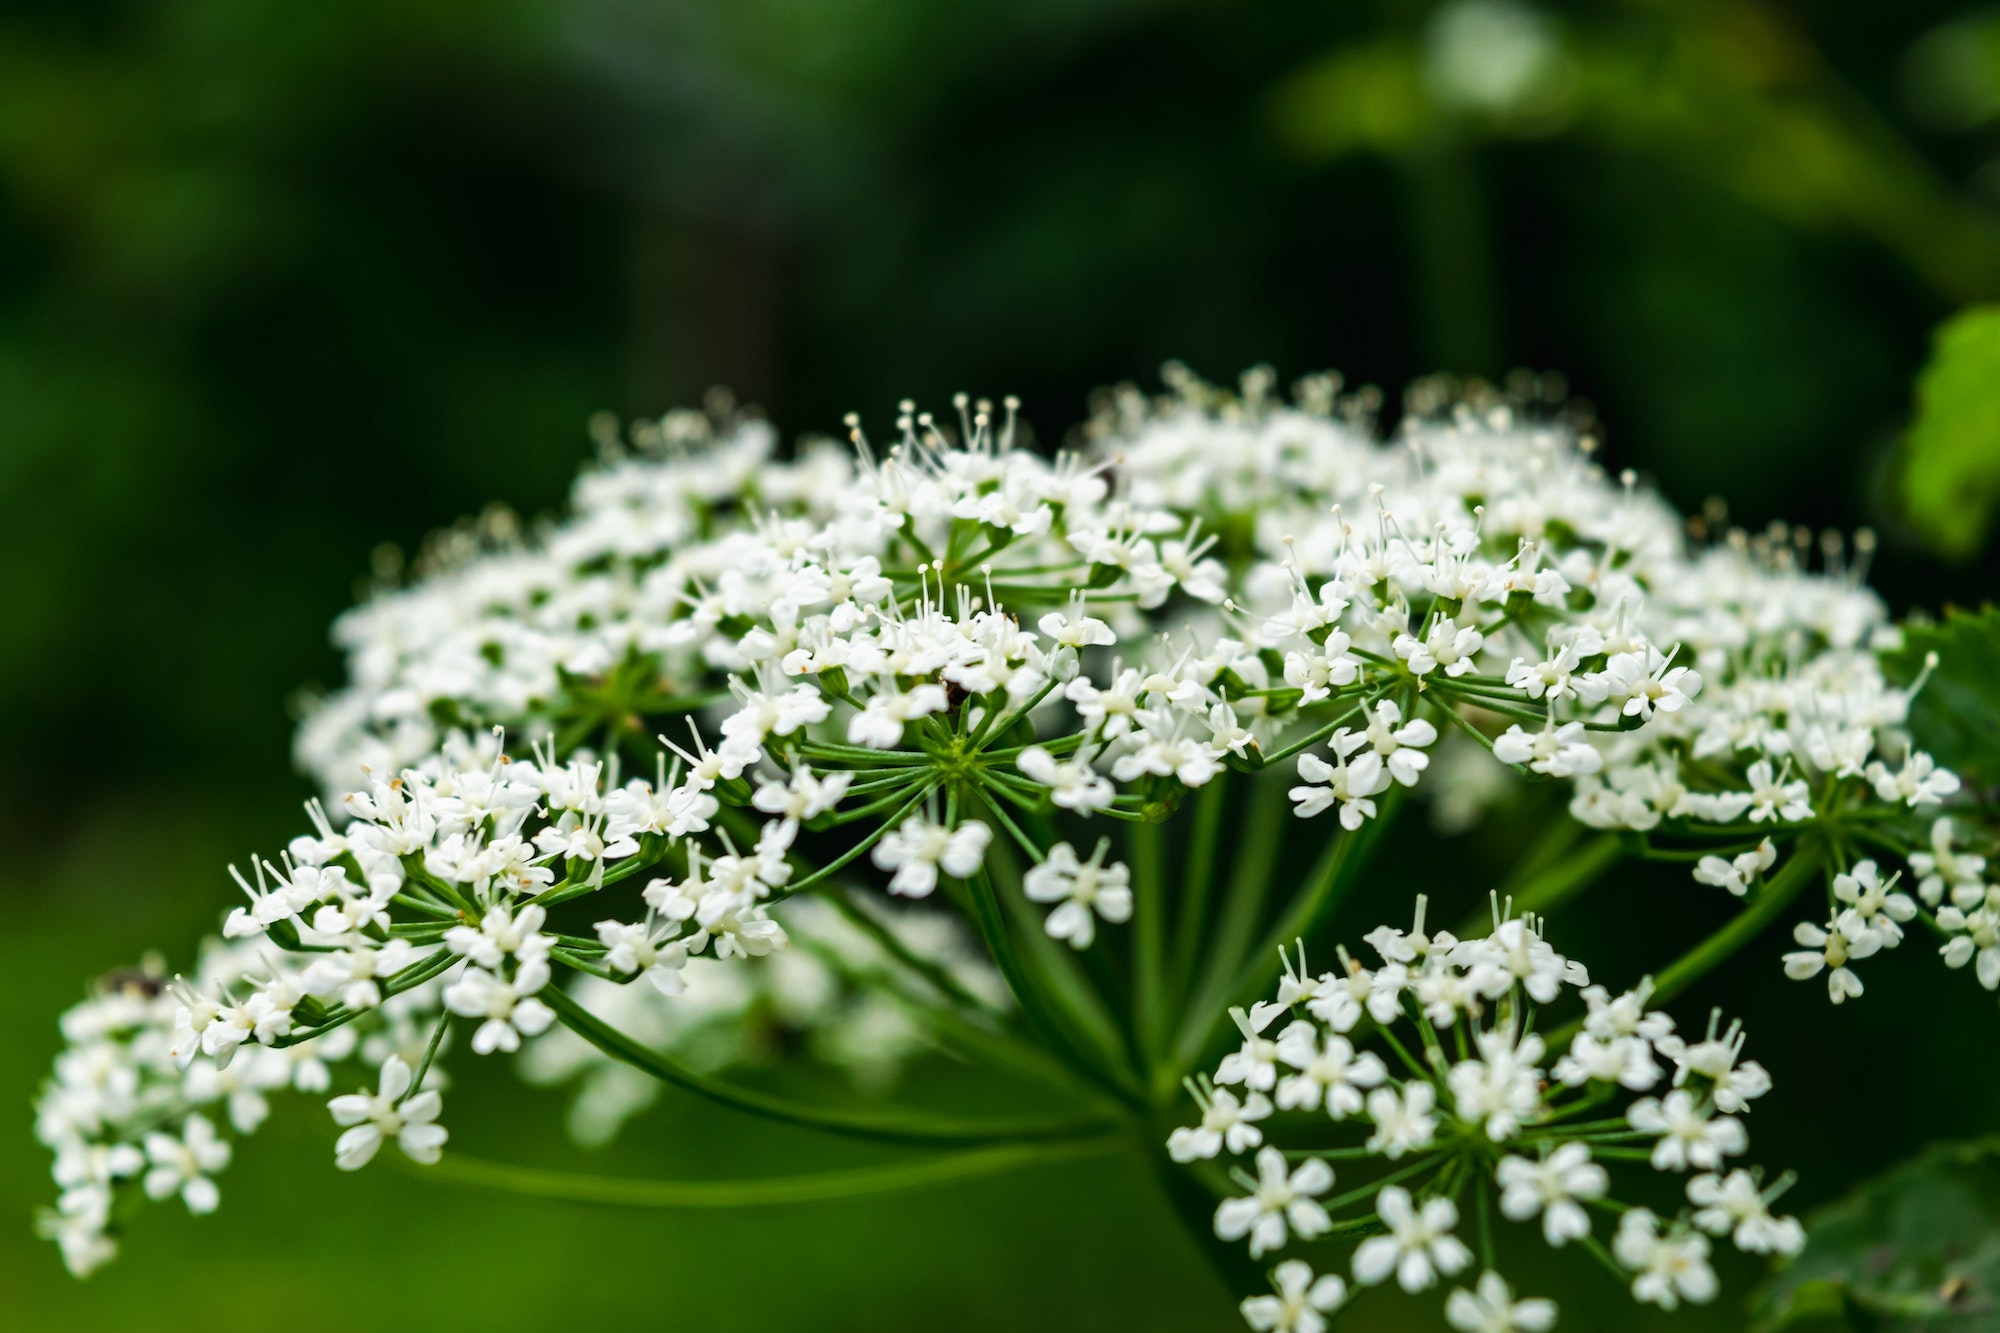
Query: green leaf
[(1951, 456), (1915, 1249), (1956, 716)]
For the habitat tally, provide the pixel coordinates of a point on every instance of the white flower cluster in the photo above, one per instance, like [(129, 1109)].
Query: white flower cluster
[(925, 667), (129, 1110), (1464, 1102), (1716, 701)]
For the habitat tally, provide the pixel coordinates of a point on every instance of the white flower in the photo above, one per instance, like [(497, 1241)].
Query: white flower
[(385, 1114), (1975, 935), (1493, 1309), (804, 797), (1501, 1089), (1736, 874), (1552, 678), (1225, 1122), (1732, 1206), (1874, 902), (1399, 745), (1552, 1187), (1559, 751), (1317, 670), (1773, 798), (1351, 784), (645, 949), (1944, 867), (880, 725), (1074, 629), (1329, 1072), (1072, 783), (1419, 1245), (1919, 782), (1086, 889), (1403, 1122), (1301, 1304), (1689, 1134), (1110, 711), (1831, 950), (1735, 1082), (1278, 1199), (509, 1007), (1446, 644), (353, 974), (1255, 1063), (919, 849), (1670, 1268), (1626, 1061), (183, 1165), (502, 933)]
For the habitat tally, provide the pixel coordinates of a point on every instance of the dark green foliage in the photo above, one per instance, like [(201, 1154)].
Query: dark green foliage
[(1916, 1248)]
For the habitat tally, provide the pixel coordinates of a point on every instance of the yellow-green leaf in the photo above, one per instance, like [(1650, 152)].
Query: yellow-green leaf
[(1951, 459)]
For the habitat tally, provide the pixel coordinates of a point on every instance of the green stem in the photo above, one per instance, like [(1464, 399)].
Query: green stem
[(896, 1126), (1261, 839), (935, 974), (1327, 883), (1149, 1001), (1034, 1000), (1777, 894), (1690, 967), (894, 1177), (875, 836), (1198, 879)]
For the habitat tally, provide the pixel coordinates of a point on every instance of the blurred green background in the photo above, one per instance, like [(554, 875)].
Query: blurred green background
[(281, 282)]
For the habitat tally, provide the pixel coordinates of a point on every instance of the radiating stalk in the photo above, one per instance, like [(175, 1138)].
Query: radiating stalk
[(888, 1126), (1149, 1000), (895, 1177), (1241, 908)]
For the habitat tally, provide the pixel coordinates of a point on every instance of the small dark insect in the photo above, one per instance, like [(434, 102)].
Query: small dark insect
[(133, 980)]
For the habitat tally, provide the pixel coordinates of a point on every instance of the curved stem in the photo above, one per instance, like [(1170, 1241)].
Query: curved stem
[(1690, 967), (1776, 895), (774, 1191), (896, 1126)]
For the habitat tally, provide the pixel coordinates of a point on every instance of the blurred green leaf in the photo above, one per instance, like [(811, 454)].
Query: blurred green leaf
[(1732, 94), (1951, 461), (1916, 1248), (1957, 715), (1361, 98)]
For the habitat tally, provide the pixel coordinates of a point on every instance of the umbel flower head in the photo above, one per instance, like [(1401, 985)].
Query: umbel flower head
[(1468, 1110), (820, 743)]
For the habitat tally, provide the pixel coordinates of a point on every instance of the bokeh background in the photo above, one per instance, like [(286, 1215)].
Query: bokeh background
[(281, 283)]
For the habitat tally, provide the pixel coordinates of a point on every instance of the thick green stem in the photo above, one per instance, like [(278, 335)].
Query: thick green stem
[(1776, 895)]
